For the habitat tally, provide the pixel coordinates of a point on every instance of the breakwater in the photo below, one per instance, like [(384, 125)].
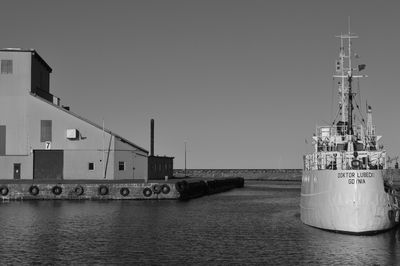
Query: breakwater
[(247, 174), (194, 189)]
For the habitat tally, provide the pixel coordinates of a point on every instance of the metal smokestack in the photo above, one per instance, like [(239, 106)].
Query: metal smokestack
[(152, 137)]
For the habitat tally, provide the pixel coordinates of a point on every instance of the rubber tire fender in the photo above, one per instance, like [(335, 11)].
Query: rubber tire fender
[(103, 190), (156, 188), (57, 190), (181, 186), (79, 190), (4, 190), (34, 190), (124, 191), (147, 192), (391, 215), (165, 189)]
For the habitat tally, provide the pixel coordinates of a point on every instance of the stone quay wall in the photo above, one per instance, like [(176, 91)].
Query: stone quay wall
[(85, 190), (247, 174)]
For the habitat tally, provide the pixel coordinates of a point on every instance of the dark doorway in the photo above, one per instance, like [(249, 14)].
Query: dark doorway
[(48, 164), (2, 140), (17, 171)]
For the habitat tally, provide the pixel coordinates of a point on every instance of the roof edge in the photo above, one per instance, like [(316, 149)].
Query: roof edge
[(32, 51), (91, 123)]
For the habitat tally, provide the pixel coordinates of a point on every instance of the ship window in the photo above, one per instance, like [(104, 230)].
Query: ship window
[(121, 166), (45, 130), (6, 66), (91, 166)]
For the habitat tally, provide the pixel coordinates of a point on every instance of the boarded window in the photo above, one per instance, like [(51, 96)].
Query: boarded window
[(45, 130), (121, 166), (91, 166), (6, 66)]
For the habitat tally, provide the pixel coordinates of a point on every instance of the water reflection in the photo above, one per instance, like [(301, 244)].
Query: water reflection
[(256, 225)]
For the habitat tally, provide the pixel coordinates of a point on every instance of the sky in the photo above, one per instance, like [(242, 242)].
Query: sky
[(243, 83)]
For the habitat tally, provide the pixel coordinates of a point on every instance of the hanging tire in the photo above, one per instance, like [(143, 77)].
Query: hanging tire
[(124, 191), (34, 190), (355, 164), (165, 189), (4, 190), (391, 215), (147, 192), (156, 189), (79, 190), (181, 186), (57, 190), (103, 190)]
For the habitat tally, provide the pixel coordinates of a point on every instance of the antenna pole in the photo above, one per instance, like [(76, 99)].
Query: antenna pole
[(185, 158), (350, 70), (102, 152), (342, 83), (350, 93)]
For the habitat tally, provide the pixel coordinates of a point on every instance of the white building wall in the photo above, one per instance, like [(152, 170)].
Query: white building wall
[(89, 147), (132, 158), (76, 164), (7, 166), (141, 166), (22, 112), (13, 90)]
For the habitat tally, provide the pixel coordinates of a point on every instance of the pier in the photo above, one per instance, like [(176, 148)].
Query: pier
[(182, 189)]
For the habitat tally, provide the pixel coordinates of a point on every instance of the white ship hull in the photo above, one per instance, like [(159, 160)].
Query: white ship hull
[(352, 201)]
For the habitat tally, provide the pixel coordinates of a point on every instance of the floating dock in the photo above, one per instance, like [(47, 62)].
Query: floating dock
[(114, 189)]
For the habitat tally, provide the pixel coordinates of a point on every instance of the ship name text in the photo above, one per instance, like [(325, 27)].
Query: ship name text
[(355, 174)]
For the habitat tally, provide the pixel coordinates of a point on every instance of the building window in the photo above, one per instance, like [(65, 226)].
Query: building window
[(45, 130), (91, 166), (121, 166), (6, 66)]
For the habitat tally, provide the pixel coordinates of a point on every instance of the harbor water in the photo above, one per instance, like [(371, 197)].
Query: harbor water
[(256, 225)]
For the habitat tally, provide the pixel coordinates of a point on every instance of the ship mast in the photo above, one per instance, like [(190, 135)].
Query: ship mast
[(345, 72), (350, 93)]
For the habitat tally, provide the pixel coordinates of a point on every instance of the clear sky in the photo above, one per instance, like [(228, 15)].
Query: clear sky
[(244, 83)]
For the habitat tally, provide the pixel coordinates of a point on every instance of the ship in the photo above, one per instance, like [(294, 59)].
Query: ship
[(347, 182)]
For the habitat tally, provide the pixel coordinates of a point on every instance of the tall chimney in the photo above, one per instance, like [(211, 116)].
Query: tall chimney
[(152, 137)]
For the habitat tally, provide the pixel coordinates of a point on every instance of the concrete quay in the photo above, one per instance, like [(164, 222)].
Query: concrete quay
[(114, 189)]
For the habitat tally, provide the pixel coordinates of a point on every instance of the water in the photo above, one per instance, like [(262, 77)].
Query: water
[(256, 225)]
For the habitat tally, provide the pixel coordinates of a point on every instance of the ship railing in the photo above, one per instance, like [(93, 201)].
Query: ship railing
[(335, 138), (341, 130), (345, 160)]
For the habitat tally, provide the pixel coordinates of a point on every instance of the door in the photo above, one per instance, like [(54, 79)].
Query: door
[(48, 164), (17, 171), (2, 140)]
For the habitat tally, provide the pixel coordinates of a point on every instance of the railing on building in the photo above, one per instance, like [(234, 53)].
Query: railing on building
[(47, 96)]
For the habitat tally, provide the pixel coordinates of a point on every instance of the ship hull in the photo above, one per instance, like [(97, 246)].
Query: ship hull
[(349, 201)]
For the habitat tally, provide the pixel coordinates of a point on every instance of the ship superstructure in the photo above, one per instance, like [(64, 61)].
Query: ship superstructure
[(345, 183)]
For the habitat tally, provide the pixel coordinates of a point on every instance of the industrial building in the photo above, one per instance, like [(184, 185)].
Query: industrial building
[(159, 167), (40, 139)]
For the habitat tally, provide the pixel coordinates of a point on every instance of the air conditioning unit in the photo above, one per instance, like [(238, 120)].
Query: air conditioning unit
[(72, 133)]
